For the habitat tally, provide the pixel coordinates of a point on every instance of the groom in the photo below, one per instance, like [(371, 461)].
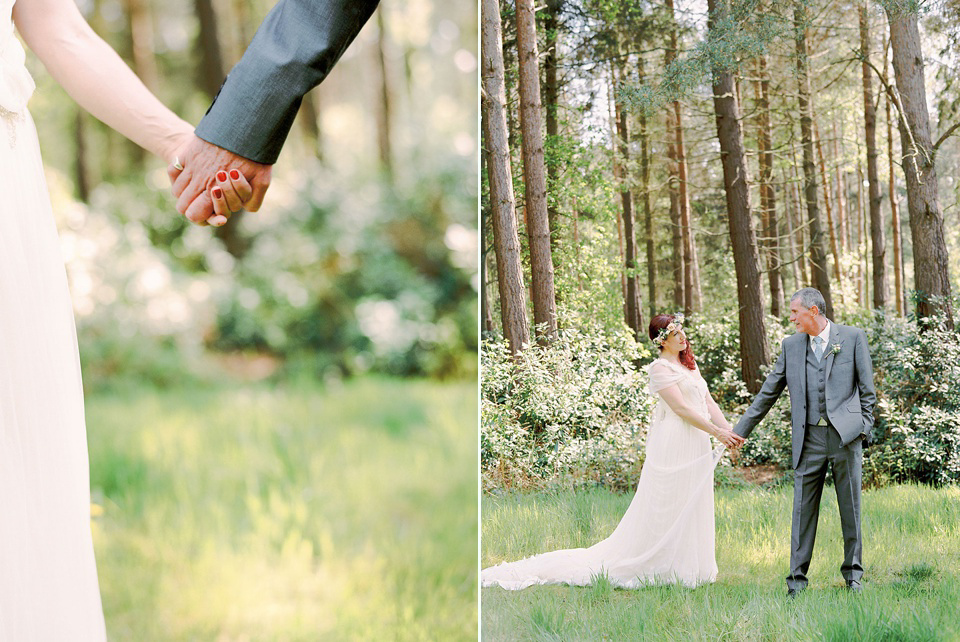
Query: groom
[(828, 370), (248, 122)]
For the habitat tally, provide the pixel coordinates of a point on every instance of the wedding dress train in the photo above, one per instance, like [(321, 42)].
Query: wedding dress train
[(667, 533), (48, 578)]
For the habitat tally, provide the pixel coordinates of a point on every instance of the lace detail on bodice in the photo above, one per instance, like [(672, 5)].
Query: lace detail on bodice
[(691, 384), (16, 84)]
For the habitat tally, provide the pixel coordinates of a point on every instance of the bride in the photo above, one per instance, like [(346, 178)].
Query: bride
[(667, 533), (48, 576)]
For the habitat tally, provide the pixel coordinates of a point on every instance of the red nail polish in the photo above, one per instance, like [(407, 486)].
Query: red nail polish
[(221, 176), (217, 192), (234, 174)]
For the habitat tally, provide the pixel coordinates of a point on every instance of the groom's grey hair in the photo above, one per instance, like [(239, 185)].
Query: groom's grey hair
[(810, 297)]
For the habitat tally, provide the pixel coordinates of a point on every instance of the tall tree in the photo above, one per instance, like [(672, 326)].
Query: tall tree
[(506, 239), (645, 191), (753, 343), (931, 262), (877, 233), (679, 183), (898, 286), (534, 173), (770, 243), (632, 308), (551, 102), (818, 255)]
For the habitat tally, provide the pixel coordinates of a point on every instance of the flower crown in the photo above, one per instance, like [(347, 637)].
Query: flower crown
[(675, 326)]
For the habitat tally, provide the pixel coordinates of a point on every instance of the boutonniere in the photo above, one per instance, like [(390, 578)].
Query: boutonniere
[(837, 347)]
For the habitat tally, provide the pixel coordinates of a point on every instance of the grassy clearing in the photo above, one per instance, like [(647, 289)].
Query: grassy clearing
[(297, 513), (911, 561)]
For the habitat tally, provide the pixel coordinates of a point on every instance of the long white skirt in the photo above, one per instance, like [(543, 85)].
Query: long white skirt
[(48, 576), (666, 535)]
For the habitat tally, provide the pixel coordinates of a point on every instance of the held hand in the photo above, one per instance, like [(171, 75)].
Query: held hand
[(229, 195), (192, 185), (730, 439)]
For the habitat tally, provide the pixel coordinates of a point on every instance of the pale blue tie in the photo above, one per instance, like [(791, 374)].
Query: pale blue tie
[(818, 347)]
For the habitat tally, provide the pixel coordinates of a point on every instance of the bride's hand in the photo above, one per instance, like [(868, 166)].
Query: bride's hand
[(230, 194), (730, 439)]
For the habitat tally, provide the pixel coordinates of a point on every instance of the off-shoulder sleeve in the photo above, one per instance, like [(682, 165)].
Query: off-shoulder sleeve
[(662, 376)]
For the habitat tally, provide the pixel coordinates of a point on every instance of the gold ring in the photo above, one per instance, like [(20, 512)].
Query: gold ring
[(176, 164)]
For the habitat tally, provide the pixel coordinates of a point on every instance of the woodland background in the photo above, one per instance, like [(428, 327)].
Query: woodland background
[(262, 398), (644, 157)]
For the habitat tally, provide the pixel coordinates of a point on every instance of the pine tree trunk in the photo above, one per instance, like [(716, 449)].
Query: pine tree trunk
[(877, 233), (683, 294), (825, 181), (753, 342), (632, 308), (930, 258), (898, 292), (647, 211), (81, 167), (551, 99), (506, 239), (534, 174), (842, 239), (788, 212), (820, 278), (384, 108), (768, 200)]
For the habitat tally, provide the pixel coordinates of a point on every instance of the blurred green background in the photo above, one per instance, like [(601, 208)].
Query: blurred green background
[(265, 401)]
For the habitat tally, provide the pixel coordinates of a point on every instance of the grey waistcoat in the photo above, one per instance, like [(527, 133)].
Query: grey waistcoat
[(816, 382)]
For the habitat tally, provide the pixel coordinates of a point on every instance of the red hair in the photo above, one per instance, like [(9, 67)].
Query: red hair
[(660, 322)]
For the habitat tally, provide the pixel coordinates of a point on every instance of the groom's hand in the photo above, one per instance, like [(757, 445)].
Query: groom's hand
[(201, 161)]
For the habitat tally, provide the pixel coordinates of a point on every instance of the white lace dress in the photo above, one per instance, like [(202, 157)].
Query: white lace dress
[(48, 576), (667, 533)]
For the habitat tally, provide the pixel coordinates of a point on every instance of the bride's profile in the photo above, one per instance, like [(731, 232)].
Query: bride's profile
[(667, 533), (49, 589)]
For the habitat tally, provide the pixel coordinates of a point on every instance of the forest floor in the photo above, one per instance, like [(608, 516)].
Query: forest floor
[(911, 553), (270, 512)]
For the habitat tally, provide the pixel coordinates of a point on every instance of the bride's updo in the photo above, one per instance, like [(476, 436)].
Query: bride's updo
[(658, 326)]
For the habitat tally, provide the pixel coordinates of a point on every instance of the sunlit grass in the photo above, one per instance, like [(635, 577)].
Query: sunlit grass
[(911, 559), (297, 513)]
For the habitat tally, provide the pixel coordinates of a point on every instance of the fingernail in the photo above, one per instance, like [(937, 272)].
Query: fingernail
[(234, 174), (221, 176), (217, 192)]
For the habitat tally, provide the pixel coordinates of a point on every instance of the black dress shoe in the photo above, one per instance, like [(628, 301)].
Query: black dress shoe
[(854, 586), (793, 593)]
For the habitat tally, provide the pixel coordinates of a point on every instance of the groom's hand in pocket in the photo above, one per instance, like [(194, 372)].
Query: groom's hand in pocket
[(201, 161)]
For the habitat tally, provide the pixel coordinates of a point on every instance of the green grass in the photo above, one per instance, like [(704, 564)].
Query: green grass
[(911, 584), (287, 513)]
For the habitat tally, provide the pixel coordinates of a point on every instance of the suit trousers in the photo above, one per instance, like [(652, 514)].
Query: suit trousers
[(823, 447)]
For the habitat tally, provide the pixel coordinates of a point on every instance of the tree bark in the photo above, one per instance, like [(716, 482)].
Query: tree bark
[(898, 284), (838, 155), (768, 200), (506, 239), (825, 181), (534, 174), (551, 99), (632, 309), (384, 108), (877, 233), (820, 278), (795, 259), (753, 338), (645, 190), (81, 166), (930, 259)]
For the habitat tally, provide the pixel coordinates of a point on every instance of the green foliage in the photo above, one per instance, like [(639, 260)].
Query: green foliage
[(286, 513), (571, 412)]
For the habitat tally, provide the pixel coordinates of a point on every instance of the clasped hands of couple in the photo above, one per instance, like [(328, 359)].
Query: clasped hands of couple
[(211, 183)]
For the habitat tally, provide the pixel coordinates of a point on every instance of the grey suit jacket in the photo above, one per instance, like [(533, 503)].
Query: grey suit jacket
[(292, 52), (850, 394)]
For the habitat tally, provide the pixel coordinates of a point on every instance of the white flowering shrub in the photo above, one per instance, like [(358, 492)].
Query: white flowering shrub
[(572, 412)]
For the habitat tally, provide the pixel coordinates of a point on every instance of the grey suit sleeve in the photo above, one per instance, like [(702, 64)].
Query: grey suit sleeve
[(864, 368), (292, 52), (772, 387)]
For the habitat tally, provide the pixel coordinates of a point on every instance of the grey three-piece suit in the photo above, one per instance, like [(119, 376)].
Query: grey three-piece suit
[(832, 402), (292, 52)]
